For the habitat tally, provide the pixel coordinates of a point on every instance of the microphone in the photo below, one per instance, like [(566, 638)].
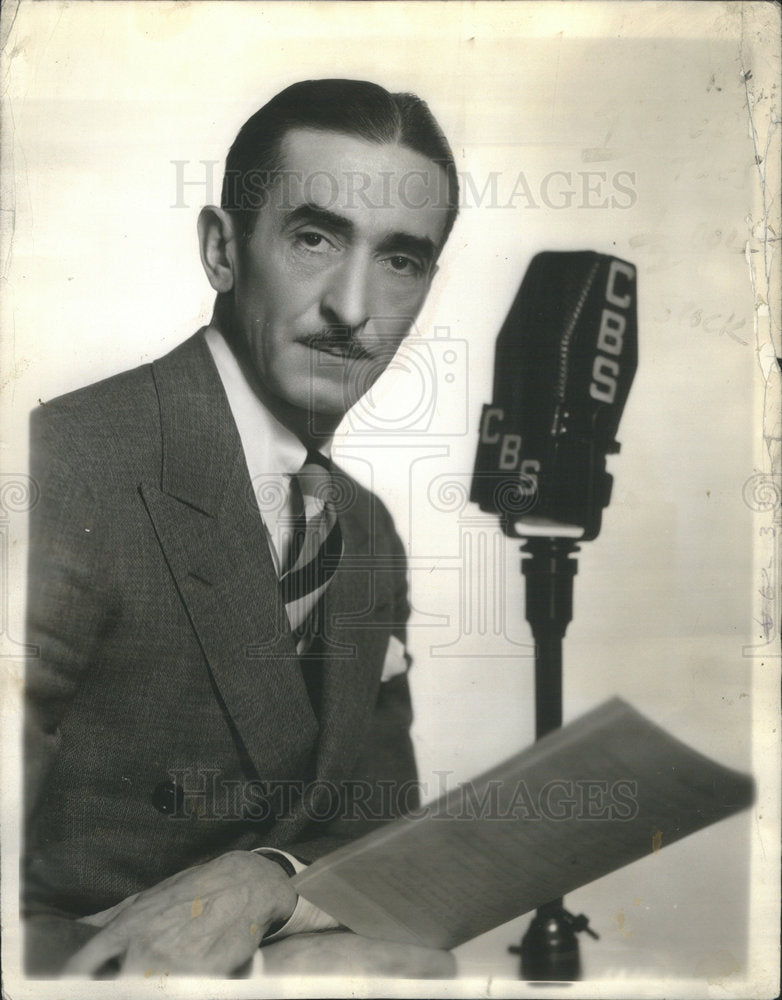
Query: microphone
[(564, 363)]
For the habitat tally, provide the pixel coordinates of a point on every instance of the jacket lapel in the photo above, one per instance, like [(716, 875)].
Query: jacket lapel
[(212, 535)]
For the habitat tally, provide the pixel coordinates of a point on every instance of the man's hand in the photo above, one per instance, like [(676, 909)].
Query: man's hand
[(208, 919), (346, 954)]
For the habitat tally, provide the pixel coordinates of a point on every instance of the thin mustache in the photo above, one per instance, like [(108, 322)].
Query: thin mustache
[(341, 339)]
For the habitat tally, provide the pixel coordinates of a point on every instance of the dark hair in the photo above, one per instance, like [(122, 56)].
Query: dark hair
[(354, 107)]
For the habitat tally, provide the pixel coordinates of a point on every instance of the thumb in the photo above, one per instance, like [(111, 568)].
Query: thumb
[(87, 960)]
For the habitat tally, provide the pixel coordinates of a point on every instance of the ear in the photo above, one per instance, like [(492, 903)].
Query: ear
[(217, 242)]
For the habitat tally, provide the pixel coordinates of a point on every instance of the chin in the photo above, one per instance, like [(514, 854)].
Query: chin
[(329, 409), (321, 411), (331, 397)]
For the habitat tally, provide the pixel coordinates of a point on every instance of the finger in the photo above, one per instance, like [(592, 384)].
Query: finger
[(234, 945), (416, 962), (343, 953), (147, 958), (142, 960), (87, 960)]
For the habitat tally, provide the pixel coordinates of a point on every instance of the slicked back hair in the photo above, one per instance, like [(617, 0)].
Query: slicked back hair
[(352, 107)]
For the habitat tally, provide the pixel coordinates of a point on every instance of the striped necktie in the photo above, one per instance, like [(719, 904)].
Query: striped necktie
[(315, 550)]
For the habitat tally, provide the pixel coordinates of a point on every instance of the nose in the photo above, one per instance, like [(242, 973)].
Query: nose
[(345, 299)]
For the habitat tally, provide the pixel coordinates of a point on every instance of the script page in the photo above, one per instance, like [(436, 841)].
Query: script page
[(578, 804)]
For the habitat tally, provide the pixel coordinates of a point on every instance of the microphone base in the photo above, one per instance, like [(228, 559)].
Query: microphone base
[(549, 950)]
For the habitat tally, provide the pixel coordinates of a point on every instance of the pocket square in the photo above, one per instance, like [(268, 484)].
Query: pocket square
[(396, 662)]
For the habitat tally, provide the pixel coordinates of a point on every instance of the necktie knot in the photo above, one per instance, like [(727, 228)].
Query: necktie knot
[(314, 481)]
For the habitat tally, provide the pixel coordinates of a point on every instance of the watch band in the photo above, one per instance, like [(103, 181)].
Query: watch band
[(279, 859), (290, 871)]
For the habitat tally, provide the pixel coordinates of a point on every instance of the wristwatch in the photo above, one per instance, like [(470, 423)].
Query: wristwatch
[(278, 858), (272, 855)]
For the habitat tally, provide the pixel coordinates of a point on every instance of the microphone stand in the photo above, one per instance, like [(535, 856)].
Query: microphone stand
[(549, 950), (564, 361)]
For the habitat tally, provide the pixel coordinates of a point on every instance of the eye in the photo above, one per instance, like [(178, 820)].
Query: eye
[(315, 242), (402, 265)]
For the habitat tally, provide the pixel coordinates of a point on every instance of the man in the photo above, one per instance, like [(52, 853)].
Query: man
[(203, 649)]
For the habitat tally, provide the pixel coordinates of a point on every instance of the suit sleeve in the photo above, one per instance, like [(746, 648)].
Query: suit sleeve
[(66, 612), (65, 617)]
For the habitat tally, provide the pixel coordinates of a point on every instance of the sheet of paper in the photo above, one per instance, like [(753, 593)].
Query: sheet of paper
[(587, 799)]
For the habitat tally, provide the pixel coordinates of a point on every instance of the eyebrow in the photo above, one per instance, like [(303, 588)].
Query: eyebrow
[(421, 246), (399, 241), (307, 212)]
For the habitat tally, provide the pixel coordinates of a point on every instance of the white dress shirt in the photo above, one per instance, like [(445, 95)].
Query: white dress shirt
[(273, 453)]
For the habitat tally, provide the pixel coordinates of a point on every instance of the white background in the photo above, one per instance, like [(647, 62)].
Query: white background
[(102, 273)]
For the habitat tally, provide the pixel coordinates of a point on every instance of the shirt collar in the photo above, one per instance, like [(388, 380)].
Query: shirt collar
[(272, 452), (267, 443)]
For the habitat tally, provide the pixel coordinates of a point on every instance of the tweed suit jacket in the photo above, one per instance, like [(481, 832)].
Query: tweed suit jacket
[(167, 707)]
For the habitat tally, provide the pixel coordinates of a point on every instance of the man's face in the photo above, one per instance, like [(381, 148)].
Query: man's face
[(337, 267)]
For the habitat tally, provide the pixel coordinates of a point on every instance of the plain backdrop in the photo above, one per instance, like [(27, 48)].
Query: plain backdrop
[(639, 130)]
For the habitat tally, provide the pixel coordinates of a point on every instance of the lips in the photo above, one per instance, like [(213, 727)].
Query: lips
[(337, 346)]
